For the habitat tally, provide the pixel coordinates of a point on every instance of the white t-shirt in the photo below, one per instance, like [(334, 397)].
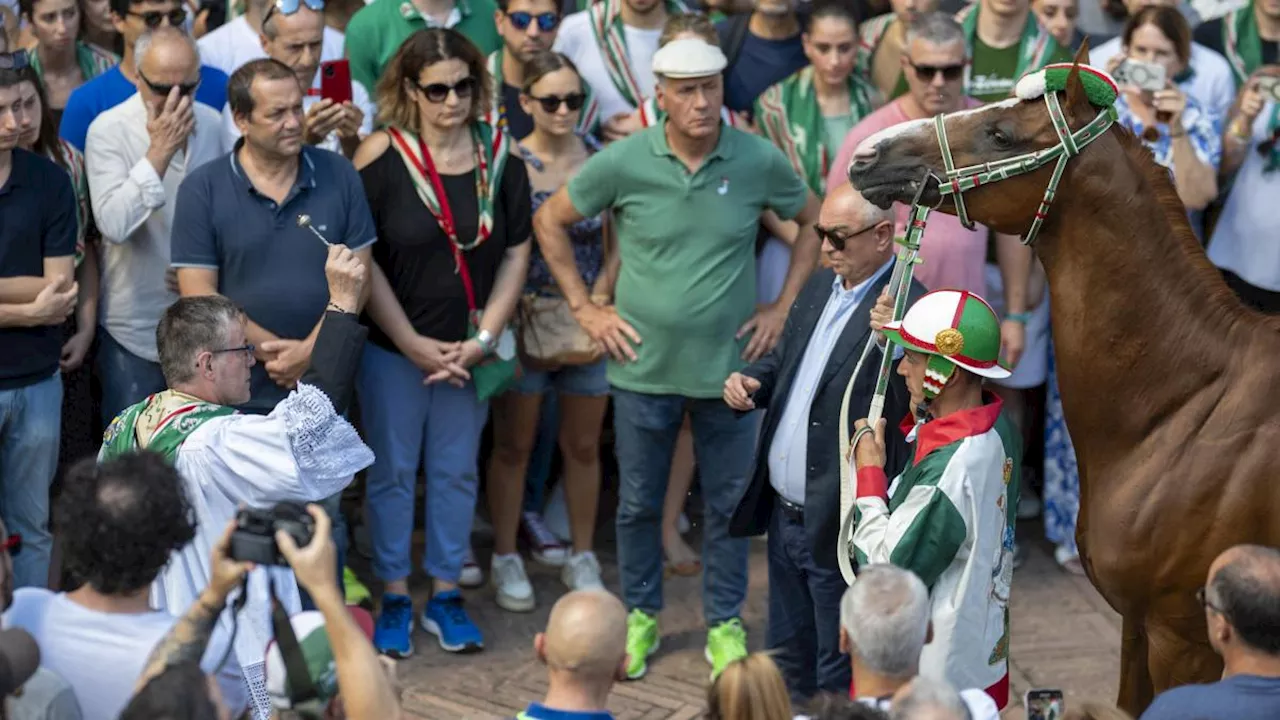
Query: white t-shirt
[(578, 43), (1244, 240), (100, 655), (234, 44)]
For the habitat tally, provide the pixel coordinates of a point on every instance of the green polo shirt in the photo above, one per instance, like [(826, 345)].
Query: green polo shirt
[(378, 29), (688, 278)]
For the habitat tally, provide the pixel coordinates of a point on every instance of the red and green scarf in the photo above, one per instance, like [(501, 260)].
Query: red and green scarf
[(606, 25), (788, 115), (160, 423), (1243, 46), (491, 150), (1034, 50), (870, 34), (93, 61), (588, 121)]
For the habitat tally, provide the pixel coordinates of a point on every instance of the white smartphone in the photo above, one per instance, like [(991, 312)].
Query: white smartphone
[(1269, 86), (1044, 704)]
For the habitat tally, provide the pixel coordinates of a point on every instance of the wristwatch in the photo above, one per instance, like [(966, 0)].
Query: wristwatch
[(1021, 317), (486, 341)]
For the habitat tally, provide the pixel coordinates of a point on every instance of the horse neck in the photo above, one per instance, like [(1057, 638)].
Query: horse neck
[(1141, 320)]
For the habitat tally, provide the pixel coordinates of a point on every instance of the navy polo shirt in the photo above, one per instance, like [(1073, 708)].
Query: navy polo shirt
[(266, 263), (37, 221)]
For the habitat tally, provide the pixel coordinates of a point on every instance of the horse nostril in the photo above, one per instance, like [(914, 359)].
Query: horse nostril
[(864, 159)]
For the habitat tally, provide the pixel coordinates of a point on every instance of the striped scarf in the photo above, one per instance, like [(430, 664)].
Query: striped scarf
[(73, 160), (1243, 47), (491, 148), (160, 423), (790, 117), (606, 25), (1034, 50), (870, 34), (588, 121), (92, 61)]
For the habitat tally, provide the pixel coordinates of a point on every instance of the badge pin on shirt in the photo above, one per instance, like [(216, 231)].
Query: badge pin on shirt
[(724, 186)]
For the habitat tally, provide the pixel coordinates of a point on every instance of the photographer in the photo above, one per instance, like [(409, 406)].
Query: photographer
[(1180, 133), (364, 691), (304, 451)]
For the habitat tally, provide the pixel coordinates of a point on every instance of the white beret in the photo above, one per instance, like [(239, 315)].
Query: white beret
[(688, 58)]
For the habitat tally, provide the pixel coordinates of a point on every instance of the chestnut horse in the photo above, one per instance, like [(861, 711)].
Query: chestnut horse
[(1168, 381)]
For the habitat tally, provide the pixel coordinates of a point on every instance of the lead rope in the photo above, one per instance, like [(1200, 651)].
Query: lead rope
[(900, 288)]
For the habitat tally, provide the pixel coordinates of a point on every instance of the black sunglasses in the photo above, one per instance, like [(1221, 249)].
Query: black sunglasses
[(438, 92), (546, 21), (19, 60), (551, 103), (837, 240), (949, 73), (184, 89), (153, 18)]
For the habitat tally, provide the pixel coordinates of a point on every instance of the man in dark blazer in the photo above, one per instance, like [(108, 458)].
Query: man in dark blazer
[(794, 492)]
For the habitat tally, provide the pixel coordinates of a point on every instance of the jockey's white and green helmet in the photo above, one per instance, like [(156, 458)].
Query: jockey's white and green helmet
[(956, 329)]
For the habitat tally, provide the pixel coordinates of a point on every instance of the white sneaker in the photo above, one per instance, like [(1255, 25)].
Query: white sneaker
[(556, 513), (1029, 506), (582, 572), (545, 547), (509, 579), (472, 576)]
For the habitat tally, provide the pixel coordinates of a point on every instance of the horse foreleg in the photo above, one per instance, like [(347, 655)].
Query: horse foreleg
[(1179, 655), (1135, 678)]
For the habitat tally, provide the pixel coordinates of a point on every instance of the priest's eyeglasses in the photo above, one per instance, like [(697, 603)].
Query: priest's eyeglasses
[(246, 349)]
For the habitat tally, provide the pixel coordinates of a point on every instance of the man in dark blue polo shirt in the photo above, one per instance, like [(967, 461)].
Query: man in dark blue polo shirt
[(37, 293), (236, 231)]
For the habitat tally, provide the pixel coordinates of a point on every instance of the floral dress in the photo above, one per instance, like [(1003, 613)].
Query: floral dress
[(586, 237)]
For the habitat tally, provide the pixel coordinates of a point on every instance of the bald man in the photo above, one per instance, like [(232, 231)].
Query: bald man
[(585, 651), (1241, 601), (794, 493)]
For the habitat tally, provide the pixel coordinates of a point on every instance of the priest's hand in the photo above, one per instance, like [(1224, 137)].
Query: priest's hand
[(225, 574), (315, 565), (869, 452), (346, 276)]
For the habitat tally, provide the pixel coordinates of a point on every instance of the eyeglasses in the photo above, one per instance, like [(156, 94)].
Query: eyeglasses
[(546, 21), (246, 349), (837, 240), (19, 60), (12, 544), (949, 73), (438, 92), (153, 18), (289, 7), (1203, 599), (552, 103), (163, 90)]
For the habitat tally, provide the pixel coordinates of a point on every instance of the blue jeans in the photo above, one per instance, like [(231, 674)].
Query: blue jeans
[(408, 423), (30, 428), (804, 614), (646, 427), (544, 451), (126, 378)]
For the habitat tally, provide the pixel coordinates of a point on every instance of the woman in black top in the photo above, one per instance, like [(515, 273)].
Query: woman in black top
[(453, 217)]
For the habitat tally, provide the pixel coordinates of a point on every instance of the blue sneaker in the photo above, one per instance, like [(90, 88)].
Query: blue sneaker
[(445, 618), (393, 634)]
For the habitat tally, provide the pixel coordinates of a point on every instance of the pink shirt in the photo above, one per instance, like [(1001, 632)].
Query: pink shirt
[(953, 257)]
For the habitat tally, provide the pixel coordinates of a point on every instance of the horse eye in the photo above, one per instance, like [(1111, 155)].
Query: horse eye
[(999, 138)]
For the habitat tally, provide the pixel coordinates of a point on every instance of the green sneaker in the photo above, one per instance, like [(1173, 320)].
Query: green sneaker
[(642, 641), (355, 591), (726, 642)]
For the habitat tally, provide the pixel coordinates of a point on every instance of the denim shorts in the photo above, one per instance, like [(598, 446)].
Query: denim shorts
[(586, 380)]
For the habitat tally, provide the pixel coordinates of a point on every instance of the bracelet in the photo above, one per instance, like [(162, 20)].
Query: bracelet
[(601, 299), (486, 341), (1018, 317), (338, 308)]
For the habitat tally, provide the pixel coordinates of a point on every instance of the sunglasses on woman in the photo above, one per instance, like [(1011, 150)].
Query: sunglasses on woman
[(438, 92), (552, 103), (949, 73), (546, 21), (153, 18), (289, 7)]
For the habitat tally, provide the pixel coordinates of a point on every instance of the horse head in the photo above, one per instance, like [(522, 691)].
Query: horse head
[(889, 166)]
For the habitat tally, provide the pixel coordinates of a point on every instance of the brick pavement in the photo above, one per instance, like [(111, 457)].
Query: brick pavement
[(1064, 636)]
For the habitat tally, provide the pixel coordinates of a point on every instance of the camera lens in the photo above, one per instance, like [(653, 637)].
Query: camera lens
[(328, 71)]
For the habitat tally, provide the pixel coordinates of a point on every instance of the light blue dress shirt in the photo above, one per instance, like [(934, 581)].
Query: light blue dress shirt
[(788, 453)]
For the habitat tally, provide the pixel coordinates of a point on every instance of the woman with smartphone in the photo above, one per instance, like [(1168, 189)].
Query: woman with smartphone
[(453, 216)]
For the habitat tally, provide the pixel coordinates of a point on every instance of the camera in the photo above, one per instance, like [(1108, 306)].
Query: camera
[(254, 539), (1269, 86), (1144, 76)]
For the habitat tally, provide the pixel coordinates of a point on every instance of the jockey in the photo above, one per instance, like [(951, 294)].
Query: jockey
[(949, 517)]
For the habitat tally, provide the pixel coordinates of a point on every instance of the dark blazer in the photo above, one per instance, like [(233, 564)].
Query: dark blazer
[(776, 373), (336, 358)]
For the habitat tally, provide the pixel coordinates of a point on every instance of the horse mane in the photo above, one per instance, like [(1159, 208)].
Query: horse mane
[(1222, 302)]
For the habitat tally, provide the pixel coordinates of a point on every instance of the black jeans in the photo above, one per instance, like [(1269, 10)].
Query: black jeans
[(804, 613)]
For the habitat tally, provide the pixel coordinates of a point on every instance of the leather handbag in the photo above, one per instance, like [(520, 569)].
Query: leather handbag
[(550, 337)]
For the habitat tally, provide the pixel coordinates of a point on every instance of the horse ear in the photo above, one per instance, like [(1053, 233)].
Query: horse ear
[(1075, 87)]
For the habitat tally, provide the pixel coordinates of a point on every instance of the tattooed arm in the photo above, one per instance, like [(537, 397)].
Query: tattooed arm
[(189, 637)]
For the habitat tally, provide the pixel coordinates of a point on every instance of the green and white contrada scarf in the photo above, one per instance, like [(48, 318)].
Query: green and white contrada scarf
[(588, 121), (1243, 44), (606, 25)]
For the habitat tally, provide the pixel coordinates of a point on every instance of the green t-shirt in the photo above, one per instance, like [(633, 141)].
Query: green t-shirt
[(687, 244), (377, 30), (834, 130), (992, 73)]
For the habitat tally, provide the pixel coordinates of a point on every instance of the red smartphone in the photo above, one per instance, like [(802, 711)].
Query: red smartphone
[(335, 81)]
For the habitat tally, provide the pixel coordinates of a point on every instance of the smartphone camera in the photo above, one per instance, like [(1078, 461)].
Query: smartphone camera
[(328, 71), (1045, 704), (1144, 76), (1269, 86)]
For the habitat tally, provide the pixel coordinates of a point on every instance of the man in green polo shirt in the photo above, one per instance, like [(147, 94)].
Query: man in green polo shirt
[(687, 197), (1006, 41), (376, 32)]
